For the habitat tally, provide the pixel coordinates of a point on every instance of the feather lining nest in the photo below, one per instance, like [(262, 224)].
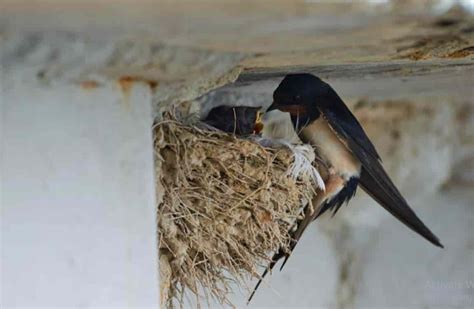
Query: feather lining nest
[(225, 204)]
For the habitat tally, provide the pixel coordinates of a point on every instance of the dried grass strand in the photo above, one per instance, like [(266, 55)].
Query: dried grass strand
[(227, 204)]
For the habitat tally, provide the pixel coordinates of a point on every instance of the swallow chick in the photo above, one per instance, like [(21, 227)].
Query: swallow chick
[(321, 119), (239, 120)]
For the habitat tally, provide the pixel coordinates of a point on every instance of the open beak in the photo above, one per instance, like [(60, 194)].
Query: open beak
[(258, 123)]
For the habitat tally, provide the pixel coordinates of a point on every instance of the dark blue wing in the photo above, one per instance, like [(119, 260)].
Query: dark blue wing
[(374, 180)]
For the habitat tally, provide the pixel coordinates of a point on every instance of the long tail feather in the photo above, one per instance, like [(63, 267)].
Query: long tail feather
[(275, 258), (308, 216), (389, 198)]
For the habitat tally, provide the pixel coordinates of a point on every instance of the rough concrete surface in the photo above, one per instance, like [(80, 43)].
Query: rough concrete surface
[(77, 204), (405, 70)]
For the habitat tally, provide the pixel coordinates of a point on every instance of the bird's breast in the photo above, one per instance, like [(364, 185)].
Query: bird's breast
[(331, 149)]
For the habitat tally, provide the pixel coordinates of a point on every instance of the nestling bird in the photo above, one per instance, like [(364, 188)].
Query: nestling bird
[(321, 119), (239, 120)]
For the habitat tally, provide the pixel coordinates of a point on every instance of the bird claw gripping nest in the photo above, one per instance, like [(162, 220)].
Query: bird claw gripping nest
[(224, 204)]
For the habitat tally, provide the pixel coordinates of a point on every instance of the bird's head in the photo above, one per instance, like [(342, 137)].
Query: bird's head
[(298, 94)]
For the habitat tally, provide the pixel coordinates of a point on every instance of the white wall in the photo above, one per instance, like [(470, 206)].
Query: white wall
[(77, 209)]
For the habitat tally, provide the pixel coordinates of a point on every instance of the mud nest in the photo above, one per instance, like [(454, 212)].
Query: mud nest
[(225, 204)]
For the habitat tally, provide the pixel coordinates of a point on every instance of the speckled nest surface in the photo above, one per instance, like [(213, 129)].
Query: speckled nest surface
[(225, 204)]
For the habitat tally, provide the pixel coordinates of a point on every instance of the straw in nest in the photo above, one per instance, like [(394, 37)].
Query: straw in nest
[(226, 204)]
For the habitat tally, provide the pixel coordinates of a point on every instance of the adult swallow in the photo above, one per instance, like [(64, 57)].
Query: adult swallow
[(321, 119)]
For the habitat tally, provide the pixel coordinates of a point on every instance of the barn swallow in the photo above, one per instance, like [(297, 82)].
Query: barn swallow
[(239, 120), (322, 120)]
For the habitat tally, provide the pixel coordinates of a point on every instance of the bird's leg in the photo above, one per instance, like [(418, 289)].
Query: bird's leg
[(334, 184)]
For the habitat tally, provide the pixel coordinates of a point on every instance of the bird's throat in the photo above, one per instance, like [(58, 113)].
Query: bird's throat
[(303, 118)]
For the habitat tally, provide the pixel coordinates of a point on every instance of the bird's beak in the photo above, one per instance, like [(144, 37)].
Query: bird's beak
[(258, 123), (272, 107)]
